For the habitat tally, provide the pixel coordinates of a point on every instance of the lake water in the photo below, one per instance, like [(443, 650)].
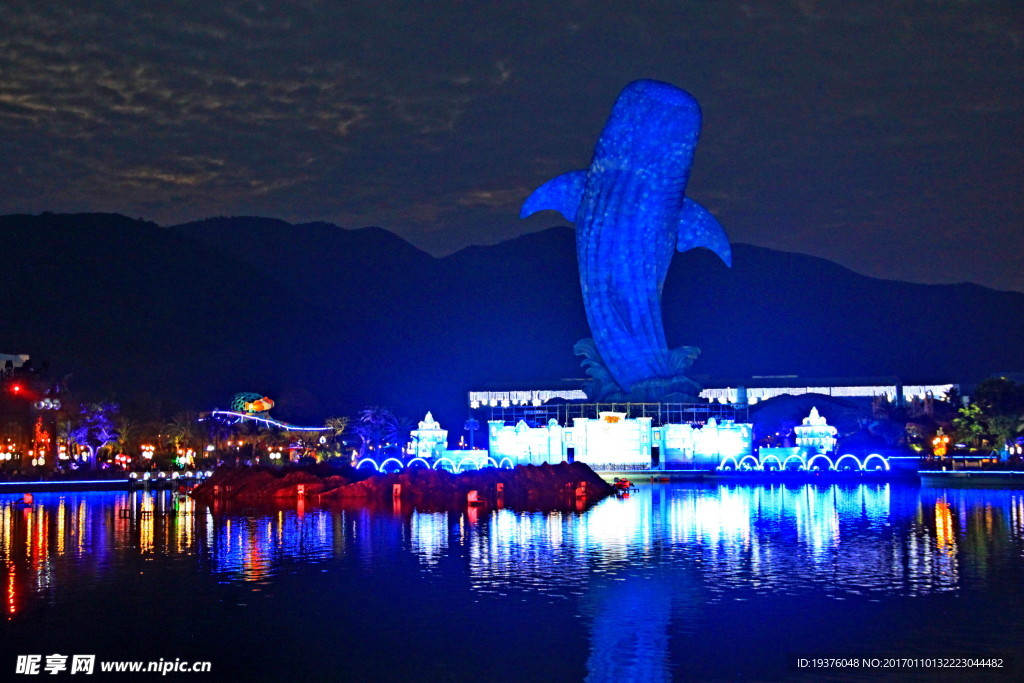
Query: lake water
[(676, 582)]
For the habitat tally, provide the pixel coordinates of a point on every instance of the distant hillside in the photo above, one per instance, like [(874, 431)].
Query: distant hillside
[(780, 313), (128, 306), (328, 320)]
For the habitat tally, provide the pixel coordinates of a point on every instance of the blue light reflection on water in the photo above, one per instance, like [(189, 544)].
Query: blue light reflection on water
[(641, 576)]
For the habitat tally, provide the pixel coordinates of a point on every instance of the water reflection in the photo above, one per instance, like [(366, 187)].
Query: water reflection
[(630, 567), (629, 632), (775, 537), (772, 539)]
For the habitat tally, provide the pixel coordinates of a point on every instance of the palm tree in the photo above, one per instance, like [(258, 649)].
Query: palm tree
[(403, 427), (252, 434), (338, 426), (183, 430), (376, 426), (127, 435), (217, 432)]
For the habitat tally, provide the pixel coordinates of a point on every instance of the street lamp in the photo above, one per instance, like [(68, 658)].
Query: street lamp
[(472, 424)]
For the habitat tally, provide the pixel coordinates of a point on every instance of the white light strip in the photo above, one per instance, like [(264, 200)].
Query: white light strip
[(268, 421), (529, 397), (729, 394)]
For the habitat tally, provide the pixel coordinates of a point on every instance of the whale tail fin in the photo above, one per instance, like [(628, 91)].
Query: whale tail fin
[(601, 385), (698, 228), (562, 194), (680, 359)]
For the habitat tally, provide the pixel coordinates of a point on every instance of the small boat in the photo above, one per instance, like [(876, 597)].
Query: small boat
[(622, 486)]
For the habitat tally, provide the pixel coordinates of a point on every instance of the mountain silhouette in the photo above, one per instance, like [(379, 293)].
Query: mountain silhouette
[(327, 320)]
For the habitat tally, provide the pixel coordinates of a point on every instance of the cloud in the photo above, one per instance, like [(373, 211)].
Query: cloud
[(435, 119), (504, 198)]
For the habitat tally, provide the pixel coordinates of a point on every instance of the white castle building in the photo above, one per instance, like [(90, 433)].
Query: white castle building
[(815, 434), (429, 440)]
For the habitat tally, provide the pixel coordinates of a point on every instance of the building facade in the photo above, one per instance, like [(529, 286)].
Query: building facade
[(614, 441)]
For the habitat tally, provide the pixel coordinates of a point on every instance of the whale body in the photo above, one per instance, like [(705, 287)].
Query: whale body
[(631, 215)]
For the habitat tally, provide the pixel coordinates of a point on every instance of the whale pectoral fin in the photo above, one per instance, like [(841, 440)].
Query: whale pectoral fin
[(562, 194), (698, 228)]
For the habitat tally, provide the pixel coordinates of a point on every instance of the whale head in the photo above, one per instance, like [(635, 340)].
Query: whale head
[(653, 128)]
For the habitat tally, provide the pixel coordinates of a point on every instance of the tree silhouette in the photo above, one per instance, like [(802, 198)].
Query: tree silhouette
[(377, 427), (95, 426), (994, 414)]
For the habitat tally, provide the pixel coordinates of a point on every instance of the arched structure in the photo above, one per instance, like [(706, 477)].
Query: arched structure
[(800, 461)]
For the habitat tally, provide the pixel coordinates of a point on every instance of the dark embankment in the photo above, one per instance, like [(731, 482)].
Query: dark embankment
[(525, 487)]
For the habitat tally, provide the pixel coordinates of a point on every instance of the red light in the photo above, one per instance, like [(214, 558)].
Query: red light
[(15, 388)]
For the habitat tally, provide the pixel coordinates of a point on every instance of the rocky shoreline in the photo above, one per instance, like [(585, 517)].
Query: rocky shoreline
[(525, 487)]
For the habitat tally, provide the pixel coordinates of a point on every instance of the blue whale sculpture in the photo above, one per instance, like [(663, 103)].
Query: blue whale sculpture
[(631, 215)]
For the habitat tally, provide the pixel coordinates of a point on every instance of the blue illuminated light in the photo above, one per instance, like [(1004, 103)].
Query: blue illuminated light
[(749, 462), (885, 462), (383, 465), (810, 463), (469, 462), (57, 482), (799, 460), (631, 215), (440, 464), (814, 463), (843, 458)]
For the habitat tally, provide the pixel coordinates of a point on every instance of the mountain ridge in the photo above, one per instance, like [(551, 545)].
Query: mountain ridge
[(328, 319)]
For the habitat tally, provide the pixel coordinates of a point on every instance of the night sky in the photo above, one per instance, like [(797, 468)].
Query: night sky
[(885, 135)]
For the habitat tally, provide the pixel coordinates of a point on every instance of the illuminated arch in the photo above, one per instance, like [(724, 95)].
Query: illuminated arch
[(722, 465), (770, 456), (752, 465), (810, 463), (859, 466), (885, 461), (511, 465), (394, 460), (488, 459), (373, 463), (461, 467), (416, 460), (440, 461), (799, 458)]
